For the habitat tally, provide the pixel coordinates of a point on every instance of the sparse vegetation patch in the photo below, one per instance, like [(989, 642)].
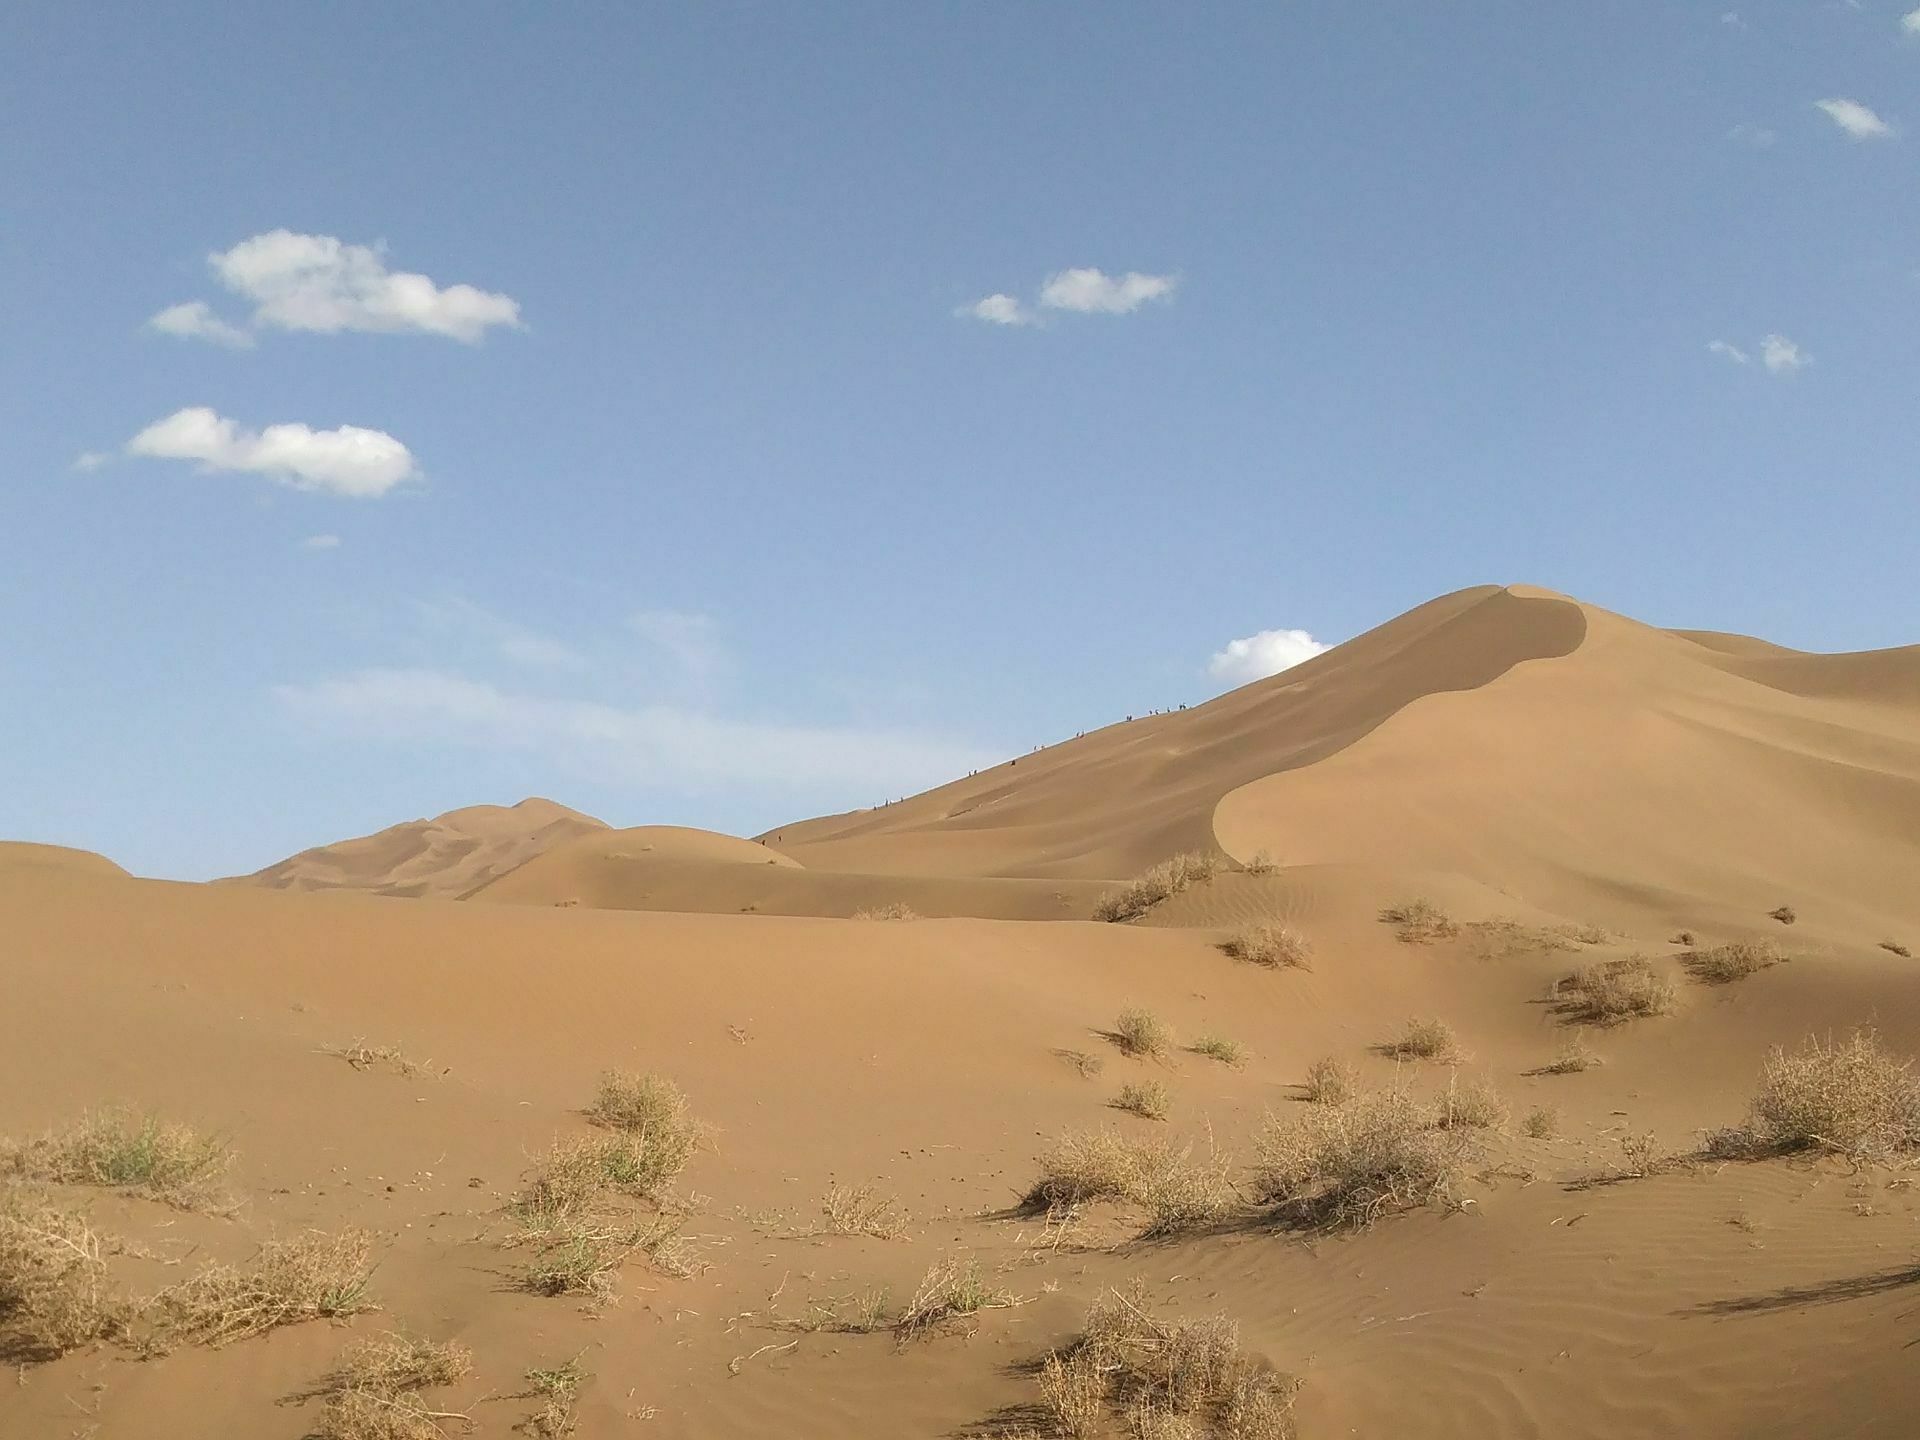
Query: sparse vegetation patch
[(1271, 944), (898, 910), (53, 1281), (1150, 1100), (362, 1056), (314, 1276), (1542, 1123), (1352, 1164), (1331, 1082), (1786, 915), (950, 1291), (1177, 1191), (1141, 1033), (1219, 1047), (1470, 1104), (115, 1148), (1615, 990), (374, 1394), (1419, 921), (1162, 882), (1849, 1096), (1895, 947), (1723, 964), (1576, 1055), (1425, 1040), (556, 1388)]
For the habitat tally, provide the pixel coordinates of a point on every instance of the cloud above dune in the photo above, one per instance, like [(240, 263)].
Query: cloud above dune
[(1910, 22), (321, 284), (1265, 653), (1083, 291), (348, 461), (665, 745), (690, 639), (1856, 119), (1777, 354)]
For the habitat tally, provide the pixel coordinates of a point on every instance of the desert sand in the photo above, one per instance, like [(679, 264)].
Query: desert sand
[(1565, 786)]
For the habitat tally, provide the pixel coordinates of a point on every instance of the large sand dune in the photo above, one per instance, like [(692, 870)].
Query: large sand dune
[(1569, 786)]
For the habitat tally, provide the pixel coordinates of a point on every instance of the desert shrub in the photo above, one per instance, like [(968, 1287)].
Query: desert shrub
[(1542, 1122), (1261, 862), (373, 1394), (1150, 1100), (1351, 1164), (1162, 882), (1162, 1378), (116, 1148), (53, 1280), (1087, 1065), (1685, 937), (1576, 1054), (898, 910), (578, 1172), (362, 1056), (1471, 1104), (652, 1113), (1218, 1047), (1723, 964), (1425, 1040), (1331, 1081), (1616, 990), (862, 1210), (1895, 947), (1140, 1032), (1418, 921), (1582, 932), (310, 1277), (556, 1388), (1786, 915), (950, 1290), (1848, 1096), (1272, 944), (1177, 1191)]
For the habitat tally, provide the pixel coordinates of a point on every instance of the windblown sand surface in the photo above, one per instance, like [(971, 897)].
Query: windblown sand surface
[(1569, 787)]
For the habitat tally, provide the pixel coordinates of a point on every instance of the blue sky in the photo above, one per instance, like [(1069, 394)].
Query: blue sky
[(711, 500)]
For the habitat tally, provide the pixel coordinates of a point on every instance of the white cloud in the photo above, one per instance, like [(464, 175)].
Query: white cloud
[(997, 310), (506, 638), (1910, 22), (1781, 356), (322, 284), (1266, 653), (1756, 136), (649, 745), (1091, 291), (195, 320), (1732, 20), (348, 461), (1857, 120), (692, 640), (92, 459), (1728, 351), (320, 542)]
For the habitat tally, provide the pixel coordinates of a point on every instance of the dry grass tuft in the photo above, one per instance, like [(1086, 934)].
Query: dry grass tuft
[(1149, 1100), (1272, 944), (1724, 964), (1686, 938), (557, 1389), (1141, 1033), (1847, 1096), (372, 1395), (1331, 1081), (1261, 862), (1426, 1040), (1419, 921), (949, 1291), (1895, 947), (1352, 1164), (1542, 1123), (167, 1161), (1219, 1047), (1616, 990), (1786, 915), (898, 910), (362, 1056), (1472, 1105), (1575, 1056), (862, 1210), (1162, 1379), (1162, 882), (314, 1276), (1178, 1192), (1087, 1065), (651, 1115), (53, 1281), (581, 1253)]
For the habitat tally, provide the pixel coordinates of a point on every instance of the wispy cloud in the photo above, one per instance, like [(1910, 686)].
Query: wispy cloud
[(195, 320), (1267, 652), (1781, 356), (320, 542), (348, 461), (322, 284), (660, 745), (92, 460), (509, 640), (1084, 291), (997, 310), (1857, 120), (1910, 22), (690, 639), (1757, 137), (1728, 351), (1731, 19), (1094, 292)]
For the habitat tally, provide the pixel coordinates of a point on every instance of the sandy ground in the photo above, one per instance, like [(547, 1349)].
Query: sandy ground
[(1508, 754)]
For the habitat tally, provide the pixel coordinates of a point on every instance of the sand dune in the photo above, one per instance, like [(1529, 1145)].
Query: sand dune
[(448, 855), (1569, 787)]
